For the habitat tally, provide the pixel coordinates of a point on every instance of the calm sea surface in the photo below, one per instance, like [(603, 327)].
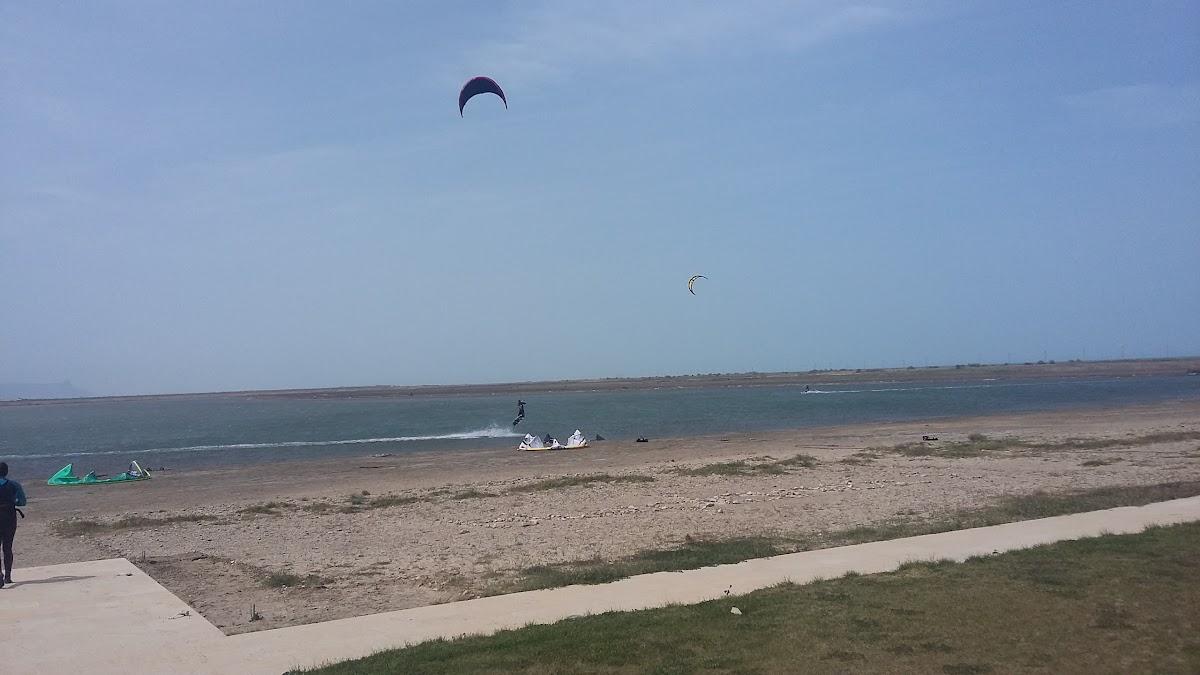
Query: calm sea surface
[(199, 433)]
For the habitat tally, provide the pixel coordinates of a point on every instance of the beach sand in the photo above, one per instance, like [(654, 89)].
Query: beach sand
[(468, 528)]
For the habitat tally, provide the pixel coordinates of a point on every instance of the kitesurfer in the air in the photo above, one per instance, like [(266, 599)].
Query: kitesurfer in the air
[(11, 496), (520, 412)]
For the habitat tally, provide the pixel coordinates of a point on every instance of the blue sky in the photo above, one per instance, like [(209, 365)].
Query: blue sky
[(246, 195)]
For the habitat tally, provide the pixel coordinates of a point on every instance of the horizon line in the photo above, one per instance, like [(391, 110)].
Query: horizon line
[(567, 384)]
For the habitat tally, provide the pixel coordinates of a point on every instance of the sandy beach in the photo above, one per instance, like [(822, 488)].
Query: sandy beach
[(383, 533)]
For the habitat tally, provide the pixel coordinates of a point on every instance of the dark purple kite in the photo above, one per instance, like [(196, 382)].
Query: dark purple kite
[(479, 85)]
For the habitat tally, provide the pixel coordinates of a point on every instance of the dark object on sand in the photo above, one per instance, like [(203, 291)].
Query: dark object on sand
[(599, 437), (929, 438), (642, 439)]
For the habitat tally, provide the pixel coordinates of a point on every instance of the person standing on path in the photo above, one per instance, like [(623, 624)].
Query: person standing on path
[(11, 496)]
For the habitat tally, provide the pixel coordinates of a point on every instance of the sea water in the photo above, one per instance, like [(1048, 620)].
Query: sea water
[(191, 433)]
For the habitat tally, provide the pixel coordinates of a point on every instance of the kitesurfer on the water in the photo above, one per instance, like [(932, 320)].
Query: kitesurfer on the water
[(11, 496), (520, 412)]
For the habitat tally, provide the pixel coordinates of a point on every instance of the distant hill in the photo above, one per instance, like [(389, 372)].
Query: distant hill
[(959, 373), (10, 391)]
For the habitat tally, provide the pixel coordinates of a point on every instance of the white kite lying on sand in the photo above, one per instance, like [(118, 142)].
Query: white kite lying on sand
[(532, 442)]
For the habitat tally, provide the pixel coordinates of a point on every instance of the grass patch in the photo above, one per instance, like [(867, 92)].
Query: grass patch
[(975, 446), (388, 501), (360, 502), (471, 493), (738, 468), (1043, 505), (74, 527), (862, 457), (574, 481), (1008, 510), (1133, 605), (802, 461), (1102, 443), (289, 580), (978, 445), (749, 468), (692, 555), (264, 509), (1101, 462)]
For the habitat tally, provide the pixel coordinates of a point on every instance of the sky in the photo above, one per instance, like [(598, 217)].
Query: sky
[(229, 195)]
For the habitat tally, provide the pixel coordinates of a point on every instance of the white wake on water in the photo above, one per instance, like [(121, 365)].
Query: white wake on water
[(493, 431)]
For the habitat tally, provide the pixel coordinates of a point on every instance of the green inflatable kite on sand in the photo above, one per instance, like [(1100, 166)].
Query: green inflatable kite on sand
[(66, 476)]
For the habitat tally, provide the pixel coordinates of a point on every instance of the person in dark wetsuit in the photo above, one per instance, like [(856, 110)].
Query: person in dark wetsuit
[(520, 412), (11, 496)]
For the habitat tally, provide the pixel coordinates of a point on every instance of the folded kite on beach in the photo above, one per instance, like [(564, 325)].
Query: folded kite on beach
[(66, 476)]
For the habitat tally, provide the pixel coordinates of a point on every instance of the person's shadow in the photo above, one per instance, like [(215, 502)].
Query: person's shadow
[(50, 580)]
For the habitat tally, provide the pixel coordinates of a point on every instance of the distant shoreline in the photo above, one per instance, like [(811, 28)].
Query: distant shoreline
[(953, 373)]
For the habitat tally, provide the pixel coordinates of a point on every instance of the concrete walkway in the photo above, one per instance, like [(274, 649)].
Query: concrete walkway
[(109, 617)]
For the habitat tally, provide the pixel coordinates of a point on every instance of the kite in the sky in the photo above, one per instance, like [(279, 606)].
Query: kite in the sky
[(479, 85), (693, 281)]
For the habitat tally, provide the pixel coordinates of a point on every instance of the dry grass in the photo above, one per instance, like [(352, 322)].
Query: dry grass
[(1101, 462), (75, 527), (576, 481), (802, 461), (751, 467), (977, 445), (694, 553), (289, 580), (363, 502), (388, 501), (862, 457), (471, 493), (264, 509)]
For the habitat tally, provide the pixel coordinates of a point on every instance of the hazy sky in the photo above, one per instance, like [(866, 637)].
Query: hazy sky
[(202, 196)]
